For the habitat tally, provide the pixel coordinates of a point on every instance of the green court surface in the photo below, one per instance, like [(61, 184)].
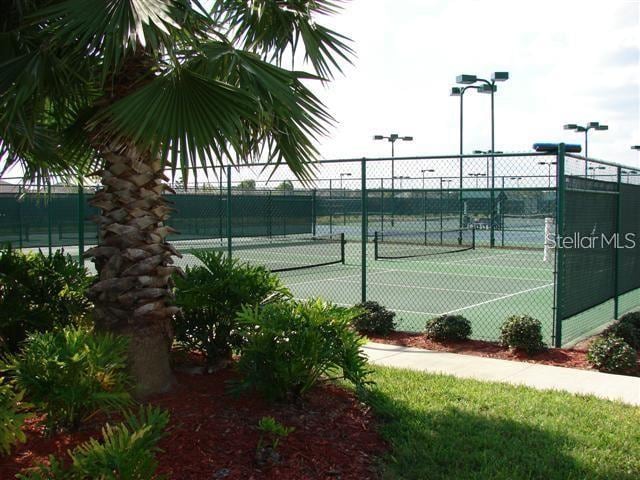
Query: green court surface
[(485, 285)]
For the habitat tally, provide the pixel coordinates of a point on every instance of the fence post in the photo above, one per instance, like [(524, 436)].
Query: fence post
[(229, 232), (616, 259), (49, 221), (558, 274), (314, 212), (330, 208), (21, 196), (364, 228), (81, 222)]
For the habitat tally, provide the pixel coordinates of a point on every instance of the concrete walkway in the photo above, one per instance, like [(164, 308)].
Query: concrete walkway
[(543, 377)]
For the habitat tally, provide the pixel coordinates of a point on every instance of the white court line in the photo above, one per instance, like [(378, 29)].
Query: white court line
[(423, 288), (359, 274), (395, 309), (460, 274), (500, 298)]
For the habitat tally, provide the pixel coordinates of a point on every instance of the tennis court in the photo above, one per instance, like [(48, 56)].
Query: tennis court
[(485, 285)]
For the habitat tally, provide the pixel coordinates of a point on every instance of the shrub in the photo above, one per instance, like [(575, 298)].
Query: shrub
[(271, 432), (72, 373), (612, 354), (633, 319), (290, 346), (626, 331), (448, 327), (39, 292), (10, 418), (126, 452), (374, 318), (211, 295), (522, 332)]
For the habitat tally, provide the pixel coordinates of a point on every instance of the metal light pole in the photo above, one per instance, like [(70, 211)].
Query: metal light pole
[(486, 87), (549, 165), (393, 138), (585, 129), (486, 152), (477, 176), (343, 175), (423, 171), (517, 179), (593, 170)]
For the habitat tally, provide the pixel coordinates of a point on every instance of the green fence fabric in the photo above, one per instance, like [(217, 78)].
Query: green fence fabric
[(446, 235), (588, 274), (629, 260)]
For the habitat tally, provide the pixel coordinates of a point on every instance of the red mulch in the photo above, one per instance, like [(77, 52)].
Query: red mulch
[(560, 357), (213, 435)]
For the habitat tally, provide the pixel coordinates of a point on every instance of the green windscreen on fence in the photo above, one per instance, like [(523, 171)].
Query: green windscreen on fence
[(629, 256), (589, 261)]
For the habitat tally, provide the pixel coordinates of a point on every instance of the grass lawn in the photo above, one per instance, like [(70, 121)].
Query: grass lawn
[(441, 427)]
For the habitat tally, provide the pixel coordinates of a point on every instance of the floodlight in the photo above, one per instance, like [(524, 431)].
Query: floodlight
[(602, 127), (456, 91), (570, 126), (378, 137), (500, 76), (593, 124), (393, 137), (635, 147), (466, 79), (407, 139), (488, 88), (553, 147)]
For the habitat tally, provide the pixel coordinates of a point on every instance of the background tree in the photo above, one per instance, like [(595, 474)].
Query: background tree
[(130, 90), (285, 186), (247, 185)]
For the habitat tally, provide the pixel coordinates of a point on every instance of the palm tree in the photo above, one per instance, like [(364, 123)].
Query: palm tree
[(130, 89)]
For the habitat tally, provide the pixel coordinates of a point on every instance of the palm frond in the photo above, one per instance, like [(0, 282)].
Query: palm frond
[(273, 28)]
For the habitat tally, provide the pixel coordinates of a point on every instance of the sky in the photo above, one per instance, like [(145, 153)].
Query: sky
[(569, 61)]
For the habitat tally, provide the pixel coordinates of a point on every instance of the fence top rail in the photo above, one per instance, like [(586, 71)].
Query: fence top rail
[(595, 160)]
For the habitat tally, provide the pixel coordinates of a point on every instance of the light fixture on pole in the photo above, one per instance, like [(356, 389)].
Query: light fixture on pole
[(548, 164), (423, 171), (393, 138), (579, 128), (343, 175), (517, 179), (486, 152), (477, 176), (593, 169), (486, 86), (635, 147)]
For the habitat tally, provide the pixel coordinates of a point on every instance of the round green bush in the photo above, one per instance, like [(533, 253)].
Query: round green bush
[(626, 331), (612, 354), (448, 327), (522, 332), (374, 319), (633, 319)]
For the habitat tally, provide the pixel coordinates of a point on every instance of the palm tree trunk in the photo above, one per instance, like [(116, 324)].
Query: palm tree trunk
[(132, 294)]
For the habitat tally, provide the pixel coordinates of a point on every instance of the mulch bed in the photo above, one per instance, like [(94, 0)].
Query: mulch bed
[(559, 357), (213, 435)]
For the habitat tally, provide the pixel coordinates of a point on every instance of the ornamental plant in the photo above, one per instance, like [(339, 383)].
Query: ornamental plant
[(374, 318), (11, 418), (211, 295), (38, 293), (291, 346), (71, 374), (126, 452), (522, 332), (448, 328), (624, 330), (612, 354)]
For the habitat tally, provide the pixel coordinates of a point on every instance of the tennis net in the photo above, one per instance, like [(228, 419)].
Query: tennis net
[(401, 244), (282, 254)]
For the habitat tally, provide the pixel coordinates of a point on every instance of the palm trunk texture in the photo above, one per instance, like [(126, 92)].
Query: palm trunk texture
[(132, 294)]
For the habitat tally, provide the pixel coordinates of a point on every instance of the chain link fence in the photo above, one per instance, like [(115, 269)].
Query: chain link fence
[(475, 235)]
